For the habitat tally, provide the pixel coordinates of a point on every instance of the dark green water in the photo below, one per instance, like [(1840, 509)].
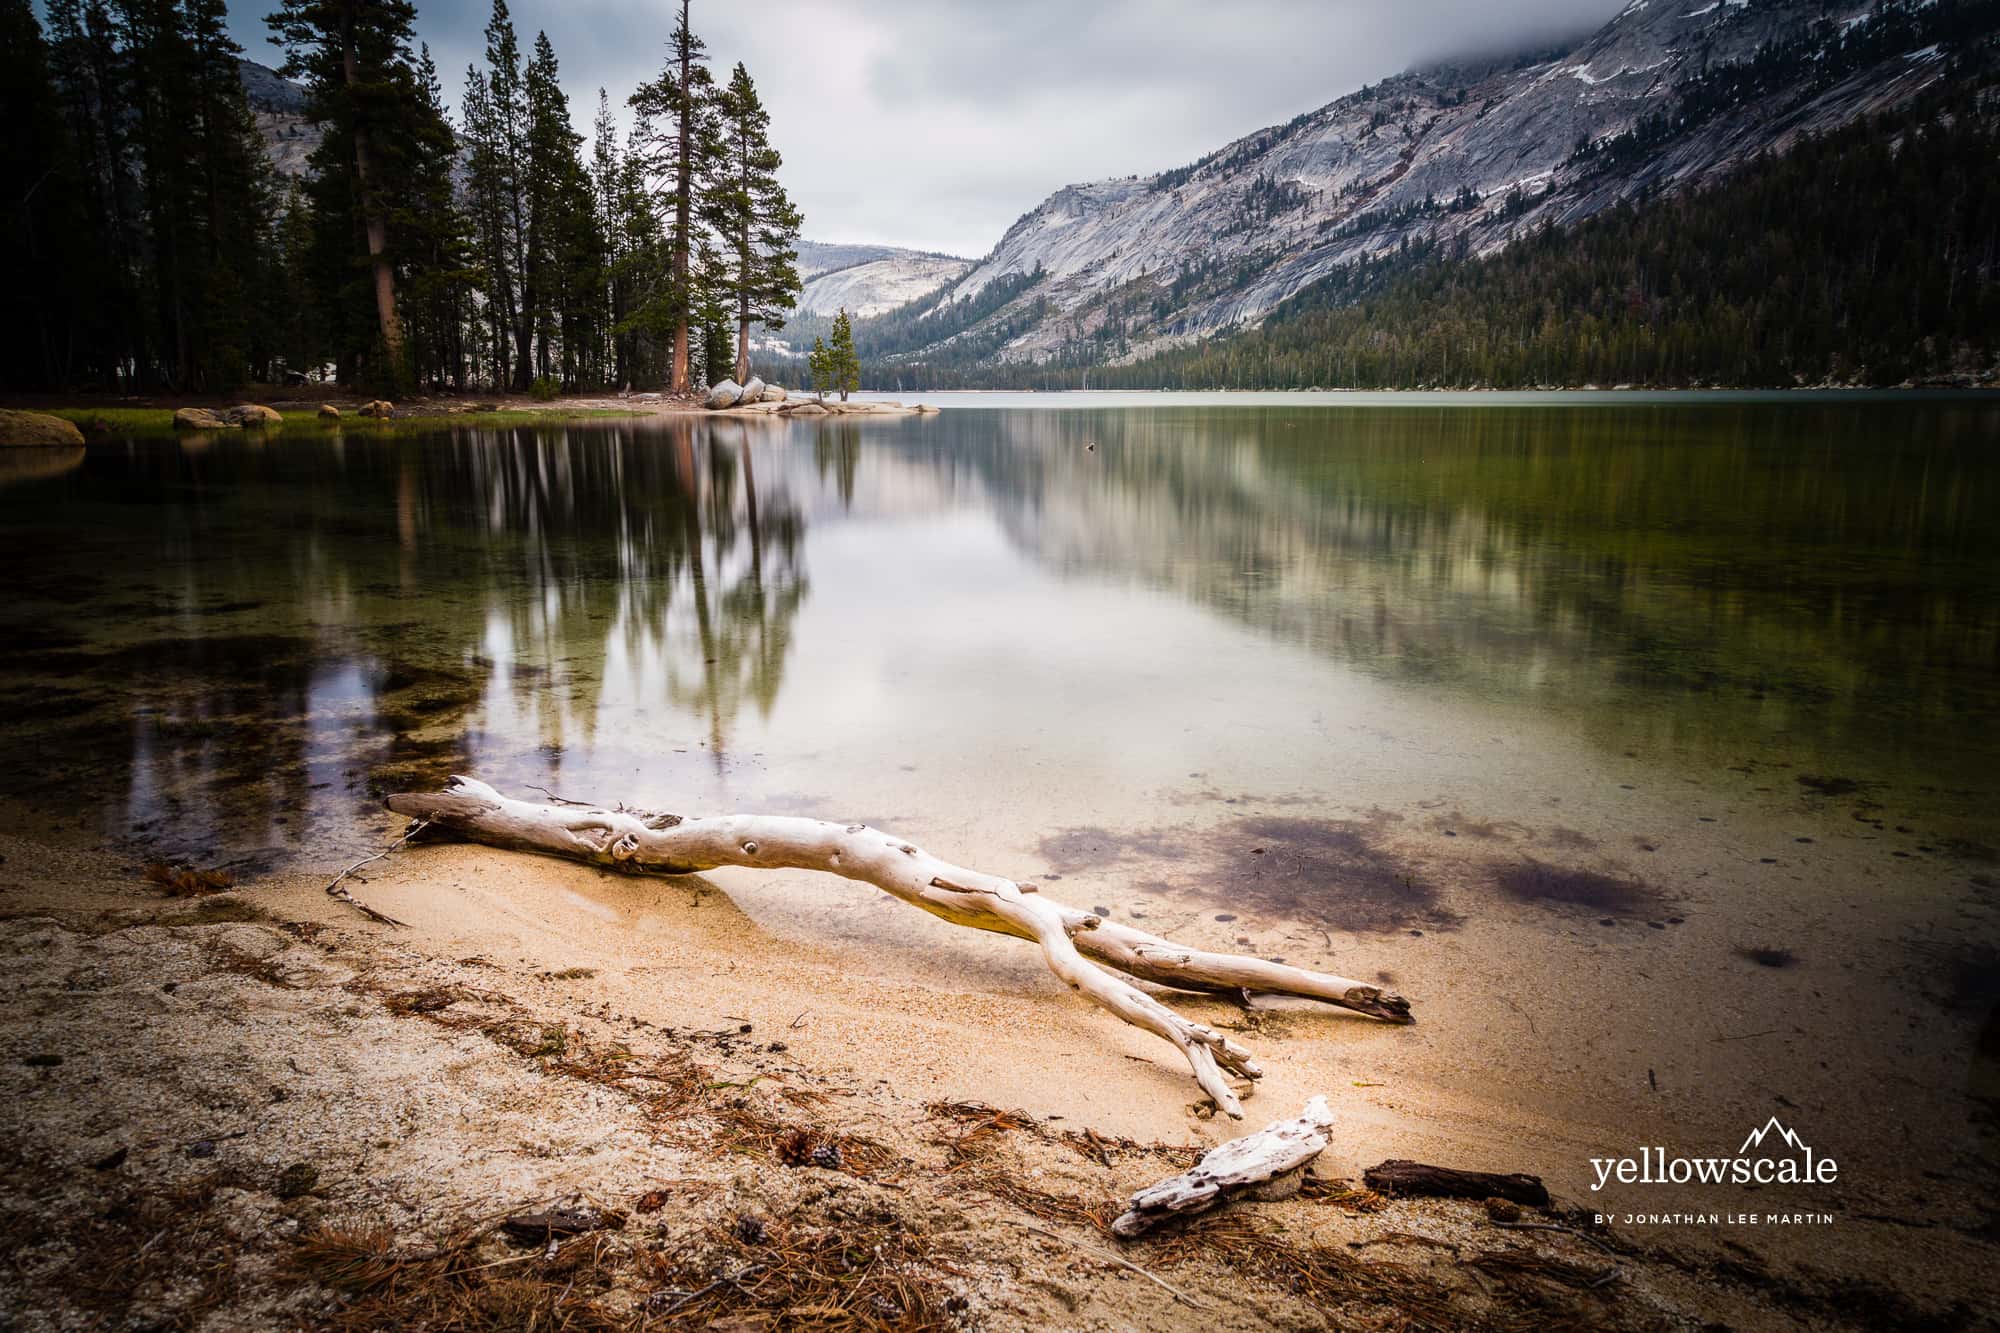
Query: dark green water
[(229, 649)]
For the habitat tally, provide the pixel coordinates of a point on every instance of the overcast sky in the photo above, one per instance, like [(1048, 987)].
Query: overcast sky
[(936, 123)]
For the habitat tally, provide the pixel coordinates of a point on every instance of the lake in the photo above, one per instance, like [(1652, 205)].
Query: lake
[(1604, 700), (235, 645)]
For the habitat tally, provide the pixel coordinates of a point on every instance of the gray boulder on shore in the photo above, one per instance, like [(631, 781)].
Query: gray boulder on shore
[(753, 392), (199, 418), (724, 394), (37, 429)]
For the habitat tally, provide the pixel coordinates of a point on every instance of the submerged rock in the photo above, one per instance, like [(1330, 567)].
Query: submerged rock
[(328, 412), (199, 418), (724, 394), (252, 414), (381, 409), (37, 429)]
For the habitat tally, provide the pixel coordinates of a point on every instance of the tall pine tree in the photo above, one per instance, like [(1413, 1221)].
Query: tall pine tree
[(756, 220), (679, 155), (354, 58)]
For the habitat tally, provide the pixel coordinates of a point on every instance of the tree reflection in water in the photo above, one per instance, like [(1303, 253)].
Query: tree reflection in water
[(273, 641)]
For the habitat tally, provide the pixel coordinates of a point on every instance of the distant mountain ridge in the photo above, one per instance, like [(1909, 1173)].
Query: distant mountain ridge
[(870, 279), (1667, 94)]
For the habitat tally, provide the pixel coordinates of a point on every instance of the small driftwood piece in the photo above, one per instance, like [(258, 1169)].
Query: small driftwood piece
[(1087, 952), (1416, 1179), (1269, 1164)]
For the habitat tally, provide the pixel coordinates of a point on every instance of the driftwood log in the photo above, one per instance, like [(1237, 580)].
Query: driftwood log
[(1269, 1164), (1417, 1179), (1087, 952)]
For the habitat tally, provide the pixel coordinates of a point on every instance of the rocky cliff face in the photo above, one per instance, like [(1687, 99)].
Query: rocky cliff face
[(869, 279), (279, 107), (1464, 157)]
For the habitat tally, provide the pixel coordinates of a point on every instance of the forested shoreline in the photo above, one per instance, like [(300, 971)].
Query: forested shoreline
[(427, 248)]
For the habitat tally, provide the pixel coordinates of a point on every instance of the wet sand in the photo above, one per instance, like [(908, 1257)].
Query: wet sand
[(1643, 959)]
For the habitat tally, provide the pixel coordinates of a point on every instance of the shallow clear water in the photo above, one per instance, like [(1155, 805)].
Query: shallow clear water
[(229, 648)]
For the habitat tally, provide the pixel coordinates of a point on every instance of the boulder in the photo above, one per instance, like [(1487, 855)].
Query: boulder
[(381, 409), (774, 393), (32, 429), (252, 414), (804, 409), (753, 392), (328, 412), (724, 394), (199, 418)]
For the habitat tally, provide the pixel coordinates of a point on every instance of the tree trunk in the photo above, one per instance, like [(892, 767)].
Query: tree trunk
[(744, 260), (683, 185), (1073, 943), (372, 222)]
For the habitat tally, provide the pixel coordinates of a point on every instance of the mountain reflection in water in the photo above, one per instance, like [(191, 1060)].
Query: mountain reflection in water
[(230, 652)]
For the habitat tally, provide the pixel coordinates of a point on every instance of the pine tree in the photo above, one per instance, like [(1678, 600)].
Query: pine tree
[(604, 173), (642, 323), (842, 365), (354, 58), (44, 197), (298, 334), (90, 154), (820, 366), (508, 126), (435, 235), (679, 155), (755, 218), (565, 248), (488, 205)]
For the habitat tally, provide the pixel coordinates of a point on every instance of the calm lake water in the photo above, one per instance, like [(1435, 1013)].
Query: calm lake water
[(228, 649)]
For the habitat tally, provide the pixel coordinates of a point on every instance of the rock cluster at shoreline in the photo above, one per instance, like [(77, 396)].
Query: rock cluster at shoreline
[(243, 414), (757, 397)]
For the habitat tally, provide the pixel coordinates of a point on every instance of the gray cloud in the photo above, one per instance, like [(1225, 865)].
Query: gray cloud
[(936, 123)]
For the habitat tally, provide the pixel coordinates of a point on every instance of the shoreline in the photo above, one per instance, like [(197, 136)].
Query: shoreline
[(897, 1043), (154, 413)]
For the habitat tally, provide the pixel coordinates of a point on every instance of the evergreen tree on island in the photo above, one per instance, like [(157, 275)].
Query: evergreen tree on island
[(819, 365), (757, 221), (842, 365)]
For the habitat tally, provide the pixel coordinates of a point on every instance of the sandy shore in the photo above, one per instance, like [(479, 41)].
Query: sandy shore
[(257, 1107)]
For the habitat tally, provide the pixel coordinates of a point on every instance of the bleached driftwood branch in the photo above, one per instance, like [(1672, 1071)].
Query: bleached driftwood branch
[(646, 842), (1269, 1164)]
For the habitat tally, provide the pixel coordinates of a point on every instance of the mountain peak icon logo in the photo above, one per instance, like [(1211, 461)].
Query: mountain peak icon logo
[(1757, 1136), (1784, 1159)]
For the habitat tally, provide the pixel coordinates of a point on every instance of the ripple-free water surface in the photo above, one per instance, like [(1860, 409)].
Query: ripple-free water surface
[(238, 642)]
